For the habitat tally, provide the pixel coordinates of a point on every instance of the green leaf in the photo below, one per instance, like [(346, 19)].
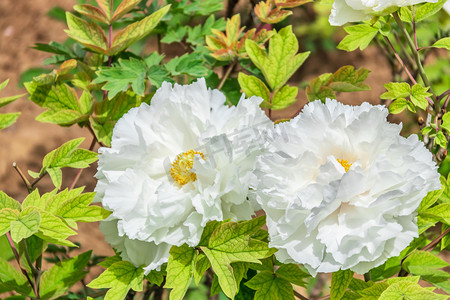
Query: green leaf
[(78, 209), (7, 120), (442, 43), (175, 35), (358, 284), (284, 97), (8, 202), (359, 36), (189, 64), (89, 35), (13, 279), (439, 212), (430, 199), (446, 121), (136, 31), (396, 90), (124, 7), (7, 215), (67, 155), (374, 291), (293, 274), (398, 105), (55, 176), (253, 86), (201, 266), (54, 230), (340, 281), (180, 269), (281, 62), (91, 12), (232, 242), (156, 277), (109, 261), (270, 287), (5, 249), (120, 278), (60, 277), (118, 79), (423, 263), (105, 7), (418, 96), (25, 226), (410, 291), (428, 9)]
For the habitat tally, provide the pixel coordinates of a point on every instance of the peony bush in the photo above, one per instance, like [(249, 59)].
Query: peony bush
[(202, 192)]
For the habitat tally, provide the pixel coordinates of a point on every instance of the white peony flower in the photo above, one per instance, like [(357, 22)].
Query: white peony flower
[(344, 11), (175, 165), (341, 187)]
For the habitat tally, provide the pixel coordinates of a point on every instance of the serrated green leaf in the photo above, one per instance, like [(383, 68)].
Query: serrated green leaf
[(398, 105), (91, 12), (270, 287), (347, 79), (89, 35), (410, 291), (55, 176), (190, 64), (124, 7), (59, 278), (156, 277), (439, 212), (34, 199), (428, 9), (26, 225), (396, 90), (7, 120), (7, 215), (358, 36), (358, 284), (55, 201), (232, 242), (281, 62), (78, 209), (430, 199), (67, 155), (7, 100), (120, 278), (423, 263), (373, 292), (253, 86), (446, 121), (180, 269), (8, 202), (109, 261), (175, 35), (390, 267), (284, 97), (442, 43), (136, 31), (201, 265), (130, 72), (293, 274), (340, 281), (13, 279), (86, 103), (418, 96), (54, 230)]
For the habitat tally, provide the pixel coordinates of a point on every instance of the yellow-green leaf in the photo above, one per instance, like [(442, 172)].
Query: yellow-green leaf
[(25, 226), (89, 35), (7, 120), (253, 86), (92, 12), (124, 7), (284, 97), (136, 31)]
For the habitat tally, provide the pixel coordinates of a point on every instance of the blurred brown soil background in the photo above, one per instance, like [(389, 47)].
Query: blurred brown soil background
[(24, 23)]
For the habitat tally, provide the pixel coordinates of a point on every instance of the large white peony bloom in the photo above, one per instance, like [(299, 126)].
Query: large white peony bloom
[(359, 10), (175, 165), (341, 187)]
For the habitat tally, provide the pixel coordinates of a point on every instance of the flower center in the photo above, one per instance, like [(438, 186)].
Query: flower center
[(345, 164), (181, 167)]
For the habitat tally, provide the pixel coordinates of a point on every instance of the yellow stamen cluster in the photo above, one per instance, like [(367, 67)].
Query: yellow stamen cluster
[(345, 164), (181, 167)]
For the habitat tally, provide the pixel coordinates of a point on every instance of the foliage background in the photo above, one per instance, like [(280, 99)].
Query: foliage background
[(24, 23)]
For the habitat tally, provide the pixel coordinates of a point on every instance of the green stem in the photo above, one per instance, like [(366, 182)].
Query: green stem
[(24, 246), (416, 55)]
